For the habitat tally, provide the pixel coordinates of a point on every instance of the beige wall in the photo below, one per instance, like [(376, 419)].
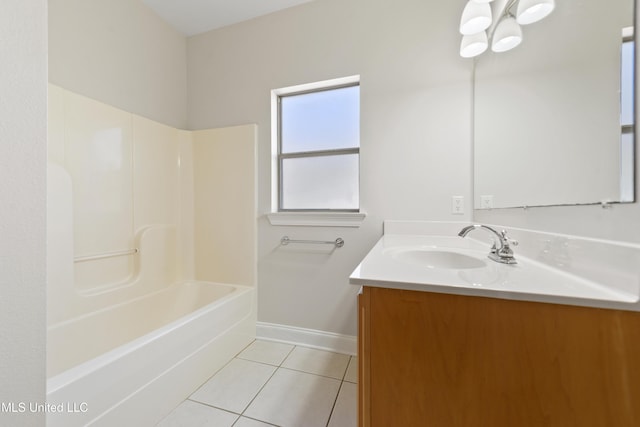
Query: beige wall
[(121, 53), (415, 130), (23, 136)]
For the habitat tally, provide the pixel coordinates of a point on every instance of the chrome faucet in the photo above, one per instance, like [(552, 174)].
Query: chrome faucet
[(502, 253)]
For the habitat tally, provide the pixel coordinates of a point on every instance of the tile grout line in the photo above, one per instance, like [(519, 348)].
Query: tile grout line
[(241, 414), (277, 367), (344, 374), (334, 404), (310, 373), (224, 366), (231, 412), (295, 370), (264, 385), (211, 406), (213, 375), (254, 419)]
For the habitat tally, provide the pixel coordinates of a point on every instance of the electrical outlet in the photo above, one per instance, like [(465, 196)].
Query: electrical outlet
[(457, 205), (486, 202)]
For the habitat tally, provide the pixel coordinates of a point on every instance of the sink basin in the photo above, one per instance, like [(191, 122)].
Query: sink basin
[(557, 269), (436, 258)]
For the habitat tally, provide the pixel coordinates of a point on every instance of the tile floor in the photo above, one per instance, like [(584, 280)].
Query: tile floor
[(275, 384)]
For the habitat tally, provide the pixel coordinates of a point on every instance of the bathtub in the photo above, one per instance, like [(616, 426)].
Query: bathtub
[(131, 363)]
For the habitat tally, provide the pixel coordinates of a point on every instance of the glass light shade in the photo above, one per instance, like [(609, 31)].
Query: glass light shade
[(476, 17), (473, 45), (530, 11), (507, 35)]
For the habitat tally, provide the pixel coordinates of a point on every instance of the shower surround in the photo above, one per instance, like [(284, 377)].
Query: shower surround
[(152, 259)]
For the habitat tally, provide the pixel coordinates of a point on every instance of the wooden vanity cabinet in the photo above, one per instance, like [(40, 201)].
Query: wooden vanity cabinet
[(440, 360)]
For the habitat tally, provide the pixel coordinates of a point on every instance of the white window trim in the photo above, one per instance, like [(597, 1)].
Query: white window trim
[(317, 219), (328, 219)]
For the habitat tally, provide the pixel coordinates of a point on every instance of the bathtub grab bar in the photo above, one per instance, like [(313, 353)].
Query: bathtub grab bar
[(339, 242), (106, 255)]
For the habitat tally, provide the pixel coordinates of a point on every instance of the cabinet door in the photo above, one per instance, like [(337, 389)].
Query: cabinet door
[(438, 360), (402, 376)]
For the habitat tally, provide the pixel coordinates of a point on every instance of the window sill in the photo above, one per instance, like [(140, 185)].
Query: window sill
[(317, 219)]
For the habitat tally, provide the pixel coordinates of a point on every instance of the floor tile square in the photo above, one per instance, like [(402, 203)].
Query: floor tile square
[(235, 385), (317, 362), (190, 413), (345, 411), (352, 370), (272, 353), (295, 399)]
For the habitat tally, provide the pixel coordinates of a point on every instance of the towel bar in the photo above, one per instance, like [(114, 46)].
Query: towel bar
[(339, 242)]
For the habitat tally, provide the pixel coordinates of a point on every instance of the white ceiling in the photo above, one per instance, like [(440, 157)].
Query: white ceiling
[(198, 16)]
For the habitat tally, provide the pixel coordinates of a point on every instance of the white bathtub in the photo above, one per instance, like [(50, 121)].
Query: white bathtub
[(131, 363)]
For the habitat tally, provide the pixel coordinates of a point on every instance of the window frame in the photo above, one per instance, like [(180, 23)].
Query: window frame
[(628, 193), (280, 157), (630, 127)]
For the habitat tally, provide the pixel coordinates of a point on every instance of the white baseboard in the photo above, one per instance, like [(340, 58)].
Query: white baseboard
[(346, 344)]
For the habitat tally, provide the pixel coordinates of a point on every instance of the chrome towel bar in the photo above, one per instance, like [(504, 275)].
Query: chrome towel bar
[(106, 255), (339, 242)]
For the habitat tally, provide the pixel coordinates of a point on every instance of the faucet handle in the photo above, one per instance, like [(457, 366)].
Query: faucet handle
[(507, 240), (505, 254)]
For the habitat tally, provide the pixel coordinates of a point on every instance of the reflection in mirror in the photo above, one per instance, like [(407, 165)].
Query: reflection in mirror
[(553, 118)]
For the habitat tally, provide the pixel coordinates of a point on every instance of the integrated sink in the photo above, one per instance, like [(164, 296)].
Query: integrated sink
[(551, 268), (435, 258)]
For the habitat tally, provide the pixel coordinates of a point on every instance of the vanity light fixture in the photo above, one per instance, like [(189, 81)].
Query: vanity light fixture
[(479, 29)]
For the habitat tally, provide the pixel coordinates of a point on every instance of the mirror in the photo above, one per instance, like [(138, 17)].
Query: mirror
[(553, 118)]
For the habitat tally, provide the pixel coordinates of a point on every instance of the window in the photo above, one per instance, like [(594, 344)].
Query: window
[(318, 147), (627, 93)]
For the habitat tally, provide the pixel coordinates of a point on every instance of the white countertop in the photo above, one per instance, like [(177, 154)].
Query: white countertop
[(528, 280)]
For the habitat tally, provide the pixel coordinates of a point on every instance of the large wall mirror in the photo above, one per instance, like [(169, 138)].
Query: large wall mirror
[(553, 118)]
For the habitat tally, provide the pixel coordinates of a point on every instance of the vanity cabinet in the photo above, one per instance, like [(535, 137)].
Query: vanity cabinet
[(441, 360)]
